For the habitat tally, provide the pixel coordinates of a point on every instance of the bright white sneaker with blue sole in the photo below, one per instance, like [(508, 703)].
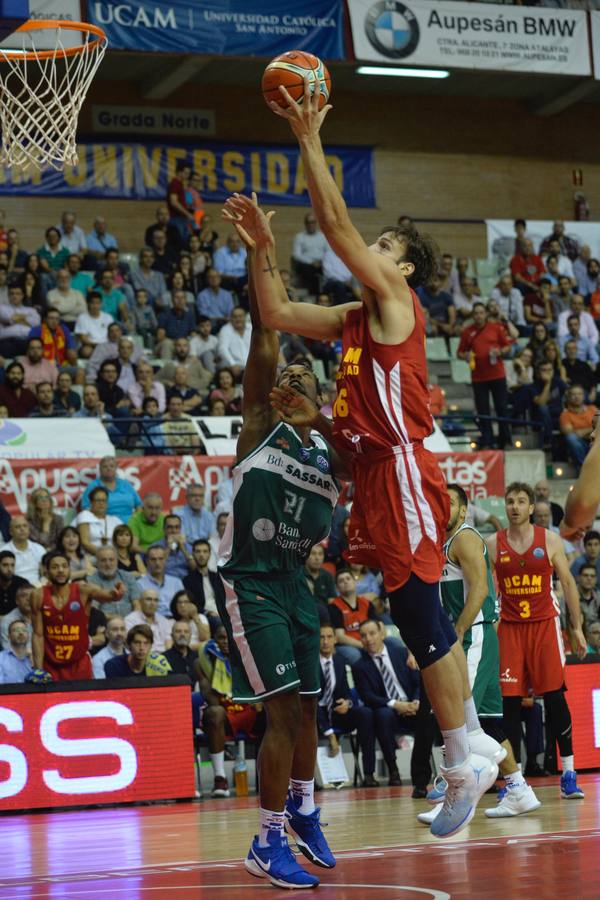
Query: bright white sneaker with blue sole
[(466, 785), (514, 800)]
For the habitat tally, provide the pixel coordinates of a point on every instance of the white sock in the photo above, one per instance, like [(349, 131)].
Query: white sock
[(218, 763), (471, 717), (303, 793), (515, 779), (456, 741), (270, 822), (568, 763)]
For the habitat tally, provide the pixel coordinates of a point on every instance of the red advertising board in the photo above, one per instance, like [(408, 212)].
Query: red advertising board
[(83, 747), (480, 474), (583, 683)]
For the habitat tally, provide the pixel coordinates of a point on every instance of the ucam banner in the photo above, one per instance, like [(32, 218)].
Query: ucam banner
[(135, 171), (471, 36), (235, 28)]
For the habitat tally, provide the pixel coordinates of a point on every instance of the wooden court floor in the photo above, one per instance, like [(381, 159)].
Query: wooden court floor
[(193, 850)]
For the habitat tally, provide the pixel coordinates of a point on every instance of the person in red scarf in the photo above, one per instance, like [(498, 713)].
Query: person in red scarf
[(58, 343)]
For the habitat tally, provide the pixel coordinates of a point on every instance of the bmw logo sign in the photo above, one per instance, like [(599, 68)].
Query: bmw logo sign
[(392, 28)]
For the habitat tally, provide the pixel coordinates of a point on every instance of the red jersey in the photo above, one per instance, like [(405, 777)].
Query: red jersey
[(525, 580), (382, 396), (483, 342), (66, 639), (352, 618)]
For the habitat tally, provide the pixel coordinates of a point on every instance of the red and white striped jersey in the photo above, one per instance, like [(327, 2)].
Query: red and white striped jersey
[(382, 397)]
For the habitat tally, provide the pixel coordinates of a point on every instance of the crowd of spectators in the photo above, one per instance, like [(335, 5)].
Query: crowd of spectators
[(531, 341)]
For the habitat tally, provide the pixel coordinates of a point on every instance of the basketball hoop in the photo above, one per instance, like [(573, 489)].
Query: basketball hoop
[(42, 92)]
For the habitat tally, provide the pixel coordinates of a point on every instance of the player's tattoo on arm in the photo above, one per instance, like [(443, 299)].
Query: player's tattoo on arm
[(271, 269)]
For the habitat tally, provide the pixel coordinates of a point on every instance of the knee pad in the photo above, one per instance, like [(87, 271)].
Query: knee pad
[(417, 611), (493, 727)]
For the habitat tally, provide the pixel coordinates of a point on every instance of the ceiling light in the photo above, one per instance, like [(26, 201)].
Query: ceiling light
[(402, 73)]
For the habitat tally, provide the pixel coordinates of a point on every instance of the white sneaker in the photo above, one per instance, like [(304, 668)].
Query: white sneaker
[(484, 745), (427, 817), (514, 801), (466, 785)]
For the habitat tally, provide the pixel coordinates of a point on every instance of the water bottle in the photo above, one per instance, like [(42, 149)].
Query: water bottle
[(240, 771), (493, 356)]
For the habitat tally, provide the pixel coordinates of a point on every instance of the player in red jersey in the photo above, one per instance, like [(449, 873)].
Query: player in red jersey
[(61, 612), (532, 655), (381, 417)]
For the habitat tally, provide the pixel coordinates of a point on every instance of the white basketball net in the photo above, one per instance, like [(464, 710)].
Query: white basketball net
[(41, 98)]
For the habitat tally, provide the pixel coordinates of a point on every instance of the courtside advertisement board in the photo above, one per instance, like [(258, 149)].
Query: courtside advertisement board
[(583, 697), (111, 745)]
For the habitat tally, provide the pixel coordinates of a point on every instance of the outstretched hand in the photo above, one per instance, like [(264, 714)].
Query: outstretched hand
[(305, 118), (293, 407), (249, 220)]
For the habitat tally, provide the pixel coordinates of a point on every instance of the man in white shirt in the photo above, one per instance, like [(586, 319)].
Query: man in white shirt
[(72, 236), (148, 615), (91, 327), (234, 342), (564, 264), (204, 344), (339, 281), (116, 633), (21, 612), (69, 302), (510, 301), (28, 554), (307, 253), (587, 328)]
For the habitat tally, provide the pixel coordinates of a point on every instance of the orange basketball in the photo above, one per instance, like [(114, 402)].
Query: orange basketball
[(290, 69)]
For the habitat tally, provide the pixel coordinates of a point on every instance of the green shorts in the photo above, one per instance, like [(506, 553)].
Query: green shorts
[(483, 662), (274, 637)]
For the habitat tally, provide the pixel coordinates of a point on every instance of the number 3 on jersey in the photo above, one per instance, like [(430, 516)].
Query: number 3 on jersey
[(525, 608), (340, 407)]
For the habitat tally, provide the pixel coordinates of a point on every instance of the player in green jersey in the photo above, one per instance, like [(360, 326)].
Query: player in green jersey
[(469, 597), (284, 492)]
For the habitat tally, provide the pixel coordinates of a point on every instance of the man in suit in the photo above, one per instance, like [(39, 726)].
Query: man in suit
[(204, 587), (389, 688), (336, 709)]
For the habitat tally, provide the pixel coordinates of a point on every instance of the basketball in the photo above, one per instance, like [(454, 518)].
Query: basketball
[(289, 70)]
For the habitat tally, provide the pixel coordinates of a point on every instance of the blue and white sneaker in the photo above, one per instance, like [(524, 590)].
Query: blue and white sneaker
[(466, 785), (438, 791), (306, 832), (568, 787), (277, 863)]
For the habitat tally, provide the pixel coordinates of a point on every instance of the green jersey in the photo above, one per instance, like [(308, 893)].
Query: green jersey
[(283, 499), (455, 586)]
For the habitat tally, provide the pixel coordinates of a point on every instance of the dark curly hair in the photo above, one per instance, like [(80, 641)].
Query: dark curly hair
[(420, 249)]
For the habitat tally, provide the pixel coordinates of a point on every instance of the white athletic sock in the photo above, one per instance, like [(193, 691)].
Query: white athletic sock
[(218, 763), (471, 717), (568, 763), (515, 779), (456, 741), (270, 822), (303, 793)]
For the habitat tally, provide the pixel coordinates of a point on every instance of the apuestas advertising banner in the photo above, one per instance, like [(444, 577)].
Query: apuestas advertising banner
[(95, 746), (471, 36), (131, 171), (583, 685), (237, 28), (66, 479), (480, 474)]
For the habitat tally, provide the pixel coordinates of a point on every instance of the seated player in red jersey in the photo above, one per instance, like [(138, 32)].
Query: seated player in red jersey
[(61, 612), (532, 654), (381, 417)]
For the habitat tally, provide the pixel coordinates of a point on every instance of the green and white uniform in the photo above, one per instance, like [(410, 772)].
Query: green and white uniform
[(480, 641), (283, 499)]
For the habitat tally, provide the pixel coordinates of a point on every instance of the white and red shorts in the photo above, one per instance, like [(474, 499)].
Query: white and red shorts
[(532, 656), (399, 515)]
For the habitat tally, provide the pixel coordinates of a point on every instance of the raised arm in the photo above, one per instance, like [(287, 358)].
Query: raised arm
[(583, 501), (260, 372), (376, 271), (276, 309), (91, 592)]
